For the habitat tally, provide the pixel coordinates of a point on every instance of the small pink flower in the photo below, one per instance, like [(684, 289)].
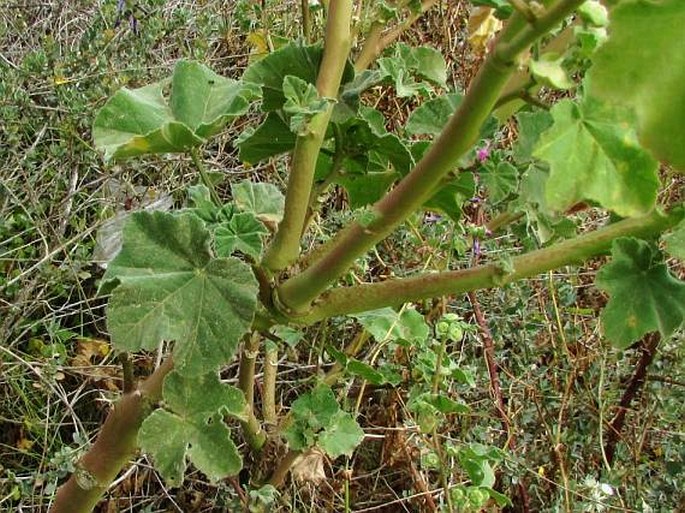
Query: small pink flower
[(483, 153)]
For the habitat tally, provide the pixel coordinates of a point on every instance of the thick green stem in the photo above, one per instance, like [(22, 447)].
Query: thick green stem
[(248, 358), (270, 372), (114, 447), (347, 300), (285, 247), (252, 429), (253, 432), (457, 137)]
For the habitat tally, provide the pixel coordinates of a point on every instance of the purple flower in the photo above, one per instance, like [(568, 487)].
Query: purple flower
[(483, 153)]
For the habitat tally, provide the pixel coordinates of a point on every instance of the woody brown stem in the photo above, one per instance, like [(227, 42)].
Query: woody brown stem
[(112, 449)]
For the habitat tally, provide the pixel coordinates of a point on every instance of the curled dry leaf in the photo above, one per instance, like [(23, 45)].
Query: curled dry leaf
[(309, 467), (482, 28)]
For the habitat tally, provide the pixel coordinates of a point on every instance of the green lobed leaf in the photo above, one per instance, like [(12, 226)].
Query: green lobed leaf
[(192, 427), (264, 200), (366, 189), (273, 137), (302, 103), (317, 419), (141, 121), (594, 155), (202, 396), (644, 295), (137, 122), (407, 64), (342, 435), (311, 413), (643, 65), (451, 195), (295, 60), (171, 289), (531, 125), (204, 101), (372, 161), (500, 181), (365, 139), (168, 438), (432, 116), (243, 232), (386, 323)]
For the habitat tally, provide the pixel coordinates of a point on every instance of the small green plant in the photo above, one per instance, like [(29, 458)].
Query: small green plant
[(213, 281)]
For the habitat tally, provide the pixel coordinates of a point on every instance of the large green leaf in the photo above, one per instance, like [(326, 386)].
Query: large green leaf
[(137, 122), (170, 288), (594, 155), (205, 101), (273, 137), (643, 65), (645, 296), (295, 60), (191, 426), (142, 121)]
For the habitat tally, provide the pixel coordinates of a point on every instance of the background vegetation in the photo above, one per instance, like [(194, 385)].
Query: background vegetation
[(561, 383)]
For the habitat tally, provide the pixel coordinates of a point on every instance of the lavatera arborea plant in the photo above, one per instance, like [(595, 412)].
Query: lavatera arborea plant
[(214, 279)]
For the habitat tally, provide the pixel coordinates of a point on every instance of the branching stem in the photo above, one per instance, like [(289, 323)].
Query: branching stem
[(285, 247), (361, 298), (456, 138)]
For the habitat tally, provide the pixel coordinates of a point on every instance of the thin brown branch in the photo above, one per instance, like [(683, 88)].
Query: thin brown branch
[(496, 390), (648, 347)]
